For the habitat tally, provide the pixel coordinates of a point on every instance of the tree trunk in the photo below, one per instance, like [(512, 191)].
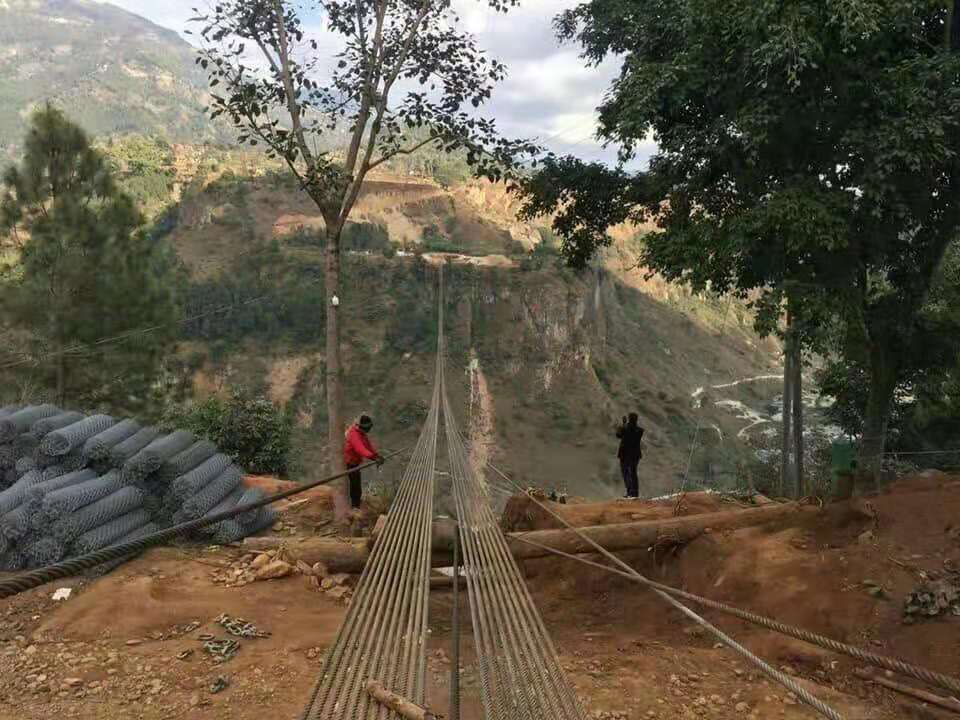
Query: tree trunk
[(334, 377), (786, 465), (651, 533), (877, 417), (797, 370)]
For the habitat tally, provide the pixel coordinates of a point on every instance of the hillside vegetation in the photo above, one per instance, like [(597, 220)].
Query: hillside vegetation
[(116, 72), (545, 359)]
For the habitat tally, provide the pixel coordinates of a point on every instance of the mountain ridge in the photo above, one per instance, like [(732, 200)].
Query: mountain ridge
[(114, 71)]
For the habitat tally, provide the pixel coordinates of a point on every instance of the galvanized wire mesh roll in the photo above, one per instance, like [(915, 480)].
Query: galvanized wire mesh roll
[(13, 560), (97, 513), (191, 483), (4, 546), (62, 502), (13, 496), (229, 501), (187, 460), (228, 531), (8, 409), (250, 495), (25, 445), (8, 478), (8, 458), (43, 552), (156, 453), (44, 460), (123, 451), (38, 520), (16, 523), (55, 422), (212, 493), (99, 446), (103, 535), (25, 465), (51, 472), (19, 422), (140, 532), (62, 441)]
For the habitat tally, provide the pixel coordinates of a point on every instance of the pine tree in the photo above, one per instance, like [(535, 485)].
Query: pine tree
[(85, 271)]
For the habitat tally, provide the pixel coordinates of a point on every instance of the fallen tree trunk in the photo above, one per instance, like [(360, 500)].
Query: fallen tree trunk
[(947, 703), (647, 533), (350, 555), (399, 705)]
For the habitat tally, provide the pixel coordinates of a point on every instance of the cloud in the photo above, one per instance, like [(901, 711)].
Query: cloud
[(550, 93)]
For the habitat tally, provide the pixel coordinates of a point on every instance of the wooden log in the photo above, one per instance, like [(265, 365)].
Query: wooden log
[(442, 582), (339, 555), (399, 705), (349, 555), (646, 533), (946, 703)]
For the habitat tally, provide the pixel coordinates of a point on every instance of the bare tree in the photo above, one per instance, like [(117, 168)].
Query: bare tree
[(405, 65)]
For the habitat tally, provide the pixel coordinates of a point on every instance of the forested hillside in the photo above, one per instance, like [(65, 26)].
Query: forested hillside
[(115, 71)]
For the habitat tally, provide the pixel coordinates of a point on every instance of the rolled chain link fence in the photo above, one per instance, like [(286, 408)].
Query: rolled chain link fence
[(72, 484)]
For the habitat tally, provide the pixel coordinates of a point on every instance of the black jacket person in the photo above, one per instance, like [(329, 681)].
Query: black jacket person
[(629, 453)]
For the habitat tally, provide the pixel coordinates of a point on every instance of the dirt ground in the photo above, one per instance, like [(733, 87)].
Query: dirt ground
[(127, 645)]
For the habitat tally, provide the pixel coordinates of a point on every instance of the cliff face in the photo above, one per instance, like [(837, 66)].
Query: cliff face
[(543, 360)]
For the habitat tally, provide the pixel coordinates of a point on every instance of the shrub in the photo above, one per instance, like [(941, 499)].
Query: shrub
[(251, 429)]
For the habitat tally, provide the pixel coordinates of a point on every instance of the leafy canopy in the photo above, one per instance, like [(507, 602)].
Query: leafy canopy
[(406, 65)]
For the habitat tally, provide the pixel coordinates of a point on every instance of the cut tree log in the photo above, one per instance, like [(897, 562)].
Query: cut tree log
[(947, 703), (399, 705), (350, 555), (647, 533)]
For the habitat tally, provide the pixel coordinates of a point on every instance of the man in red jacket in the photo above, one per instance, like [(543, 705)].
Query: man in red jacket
[(358, 450)]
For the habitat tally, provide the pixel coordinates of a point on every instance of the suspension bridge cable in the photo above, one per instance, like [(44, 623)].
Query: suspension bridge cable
[(761, 664), (893, 664), (34, 578)]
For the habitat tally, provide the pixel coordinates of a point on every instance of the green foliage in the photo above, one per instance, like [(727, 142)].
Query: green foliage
[(263, 295), (806, 152), (144, 81), (435, 241), (365, 236), (86, 270), (250, 429)]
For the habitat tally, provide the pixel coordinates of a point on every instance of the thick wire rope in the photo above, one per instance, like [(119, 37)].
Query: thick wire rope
[(34, 578), (384, 634), (761, 664), (455, 632), (893, 664), (520, 672)]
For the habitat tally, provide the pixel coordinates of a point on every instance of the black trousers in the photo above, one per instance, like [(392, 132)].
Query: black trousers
[(356, 489), (628, 468)]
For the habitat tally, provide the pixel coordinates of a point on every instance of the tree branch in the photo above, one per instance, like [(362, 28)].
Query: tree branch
[(293, 106), (401, 151)]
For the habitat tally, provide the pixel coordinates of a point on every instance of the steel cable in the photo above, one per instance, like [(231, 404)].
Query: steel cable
[(888, 663), (761, 664), (73, 566)]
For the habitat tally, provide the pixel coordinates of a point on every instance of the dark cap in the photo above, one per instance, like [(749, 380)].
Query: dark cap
[(365, 422)]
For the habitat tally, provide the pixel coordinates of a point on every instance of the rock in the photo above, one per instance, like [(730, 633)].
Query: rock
[(273, 569), (260, 560), (320, 570), (195, 699), (303, 568), (134, 642), (72, 682), (741, 707), (31, 650), (340, 579), (339, 593)]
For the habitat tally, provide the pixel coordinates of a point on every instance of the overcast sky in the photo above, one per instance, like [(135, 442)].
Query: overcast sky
[(549, 93)]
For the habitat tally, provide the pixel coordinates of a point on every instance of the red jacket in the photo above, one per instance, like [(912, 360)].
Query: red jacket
[(357, 449)]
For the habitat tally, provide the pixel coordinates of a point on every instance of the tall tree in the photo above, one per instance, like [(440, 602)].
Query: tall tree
[(806, 150), (84, 271), (405, 64)]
